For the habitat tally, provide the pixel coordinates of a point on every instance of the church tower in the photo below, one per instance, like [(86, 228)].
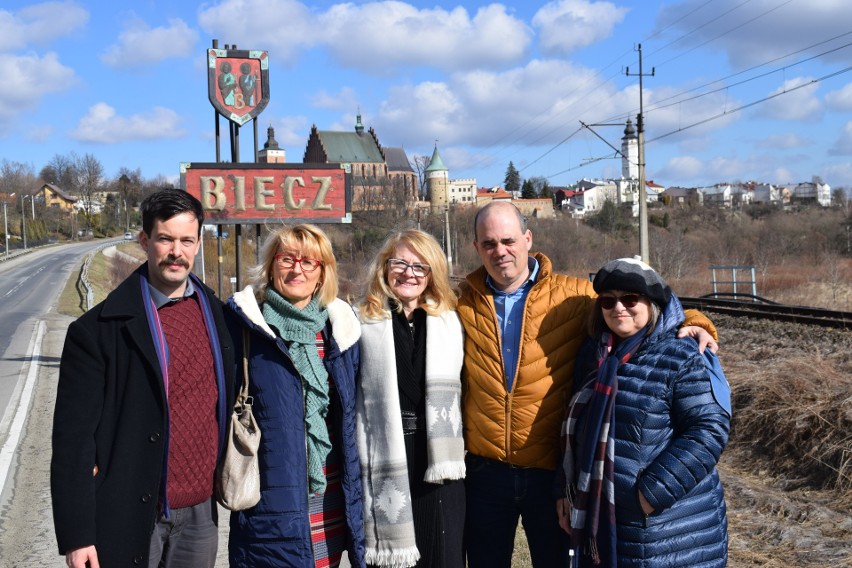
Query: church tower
[(437, 183), (630, 152), (271, 152)]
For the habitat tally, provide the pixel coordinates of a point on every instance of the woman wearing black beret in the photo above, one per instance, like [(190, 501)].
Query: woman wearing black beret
[(643, 433)]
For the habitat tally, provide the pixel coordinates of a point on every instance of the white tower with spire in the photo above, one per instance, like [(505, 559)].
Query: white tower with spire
[(630, 152)]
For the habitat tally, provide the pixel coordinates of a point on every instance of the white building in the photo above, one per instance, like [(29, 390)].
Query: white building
[(462, 190), (812, 191), (719, 194)]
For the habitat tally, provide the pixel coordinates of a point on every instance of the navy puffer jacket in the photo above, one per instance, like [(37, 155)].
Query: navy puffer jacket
[(669, 435), (276, 531)]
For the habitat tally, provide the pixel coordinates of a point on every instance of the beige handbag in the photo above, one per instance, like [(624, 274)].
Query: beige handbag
[(238, 478)]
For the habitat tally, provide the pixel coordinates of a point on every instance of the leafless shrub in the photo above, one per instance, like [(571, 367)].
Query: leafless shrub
[(797, 423)]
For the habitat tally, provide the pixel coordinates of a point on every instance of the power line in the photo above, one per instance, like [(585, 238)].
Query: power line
[(716, 117), (753, 103)]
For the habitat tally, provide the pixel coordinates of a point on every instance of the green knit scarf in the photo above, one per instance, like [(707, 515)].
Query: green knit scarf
[(299, 329)]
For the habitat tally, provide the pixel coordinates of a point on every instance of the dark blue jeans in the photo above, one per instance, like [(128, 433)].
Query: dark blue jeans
[(497, 495)]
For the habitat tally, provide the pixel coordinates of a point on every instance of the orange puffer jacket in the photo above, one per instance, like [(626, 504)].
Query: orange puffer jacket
[(522, 427)]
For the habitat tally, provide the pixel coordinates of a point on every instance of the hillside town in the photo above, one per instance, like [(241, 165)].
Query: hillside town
[(385, 177)]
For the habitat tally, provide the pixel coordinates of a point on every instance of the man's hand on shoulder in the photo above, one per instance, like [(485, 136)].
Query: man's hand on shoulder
[(78, 557), (700, 335)]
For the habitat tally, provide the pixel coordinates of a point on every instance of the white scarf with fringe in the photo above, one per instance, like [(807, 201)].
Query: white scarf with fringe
[(388, 517)]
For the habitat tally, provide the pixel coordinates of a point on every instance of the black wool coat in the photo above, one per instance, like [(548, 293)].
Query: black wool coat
[(110, 426)]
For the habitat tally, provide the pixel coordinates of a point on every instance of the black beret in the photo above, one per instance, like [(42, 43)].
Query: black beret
[(632, 275)]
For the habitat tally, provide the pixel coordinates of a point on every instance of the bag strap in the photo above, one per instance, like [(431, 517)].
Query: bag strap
[(244, 399)]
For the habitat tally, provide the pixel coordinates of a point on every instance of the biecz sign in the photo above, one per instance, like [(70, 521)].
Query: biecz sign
[(268, 193)]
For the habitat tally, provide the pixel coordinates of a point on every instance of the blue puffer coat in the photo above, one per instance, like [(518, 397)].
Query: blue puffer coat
[(669, 435), (276, 531)]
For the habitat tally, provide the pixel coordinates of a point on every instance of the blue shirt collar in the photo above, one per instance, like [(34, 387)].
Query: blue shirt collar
[(533, 265)]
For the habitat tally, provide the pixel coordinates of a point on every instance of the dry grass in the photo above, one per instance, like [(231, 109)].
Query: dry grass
[(797, 422)]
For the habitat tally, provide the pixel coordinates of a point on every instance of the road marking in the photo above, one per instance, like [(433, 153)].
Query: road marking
[(21, 283), (7, 453)]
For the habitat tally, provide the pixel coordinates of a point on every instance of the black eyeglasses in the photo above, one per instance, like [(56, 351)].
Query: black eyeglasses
[(400, 266), (627, 300), (287, 262)]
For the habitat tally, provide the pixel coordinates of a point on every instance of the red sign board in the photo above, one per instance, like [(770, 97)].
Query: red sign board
[(264, 193), (238, 83)]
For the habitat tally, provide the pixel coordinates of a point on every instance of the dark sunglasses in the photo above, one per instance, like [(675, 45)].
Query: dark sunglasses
[(627, 300)]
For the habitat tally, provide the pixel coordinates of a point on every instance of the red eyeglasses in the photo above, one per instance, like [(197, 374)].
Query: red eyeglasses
[(627, 300)]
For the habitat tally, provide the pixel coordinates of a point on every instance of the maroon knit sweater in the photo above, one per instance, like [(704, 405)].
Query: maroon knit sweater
[(192, 394)]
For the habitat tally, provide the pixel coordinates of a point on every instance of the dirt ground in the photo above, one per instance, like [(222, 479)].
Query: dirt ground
[(775, 520)]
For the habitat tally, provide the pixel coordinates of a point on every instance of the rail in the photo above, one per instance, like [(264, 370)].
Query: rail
[(771, 311)]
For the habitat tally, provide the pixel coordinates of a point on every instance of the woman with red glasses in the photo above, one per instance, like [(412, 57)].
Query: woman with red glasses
[(302, 363), (643, 434)]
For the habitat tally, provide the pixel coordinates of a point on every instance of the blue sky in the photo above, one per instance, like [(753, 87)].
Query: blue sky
[(742, 90)]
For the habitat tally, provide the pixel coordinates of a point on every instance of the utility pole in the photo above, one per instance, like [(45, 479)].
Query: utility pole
[(449, 244), (640, 130)]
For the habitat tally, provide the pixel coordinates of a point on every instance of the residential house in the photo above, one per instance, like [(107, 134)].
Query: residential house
[(56, 198), (812, 192), (683, 196), (719, 195)]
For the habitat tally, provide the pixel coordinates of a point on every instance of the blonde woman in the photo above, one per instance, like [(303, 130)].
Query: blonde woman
[(303, 361), (408, 414)]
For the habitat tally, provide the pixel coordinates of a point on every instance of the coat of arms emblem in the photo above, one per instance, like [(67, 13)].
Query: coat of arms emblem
[(238, 83)]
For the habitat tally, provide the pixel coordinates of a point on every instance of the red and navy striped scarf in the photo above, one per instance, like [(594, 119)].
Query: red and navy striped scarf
[(590, 452)]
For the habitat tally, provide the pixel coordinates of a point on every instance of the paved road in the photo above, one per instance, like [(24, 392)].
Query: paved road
[(31, 337)]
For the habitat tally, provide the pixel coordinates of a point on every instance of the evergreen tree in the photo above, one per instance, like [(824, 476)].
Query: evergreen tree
[(512, 181), (528, 191)]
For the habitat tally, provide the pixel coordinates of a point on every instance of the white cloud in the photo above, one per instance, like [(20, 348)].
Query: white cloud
[(392, 34), (484, 108), (344, 100), (40, 24), (102, 125), (840, 174), (783, 141), (567, 25), (843, 145), (694, 117), (292, 131), (39, 134), (680, 168), (284, 27), (375, 37), (840, 100), (753, 33), (28, 78), (796, 100), (140, 45)]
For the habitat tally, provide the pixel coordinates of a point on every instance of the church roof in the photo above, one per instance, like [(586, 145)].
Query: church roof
[(397, 160), (350, 147)]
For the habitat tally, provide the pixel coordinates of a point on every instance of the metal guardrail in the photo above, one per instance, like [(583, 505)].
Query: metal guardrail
[(84, 274)]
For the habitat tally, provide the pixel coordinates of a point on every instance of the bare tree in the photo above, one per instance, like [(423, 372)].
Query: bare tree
[(88, 182), (59, 171), (419, 165)]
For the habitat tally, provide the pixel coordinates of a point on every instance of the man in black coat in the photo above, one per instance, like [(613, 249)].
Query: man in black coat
[(142, 406)]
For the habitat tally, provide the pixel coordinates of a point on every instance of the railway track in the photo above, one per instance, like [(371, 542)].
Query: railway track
[(761, 309)]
